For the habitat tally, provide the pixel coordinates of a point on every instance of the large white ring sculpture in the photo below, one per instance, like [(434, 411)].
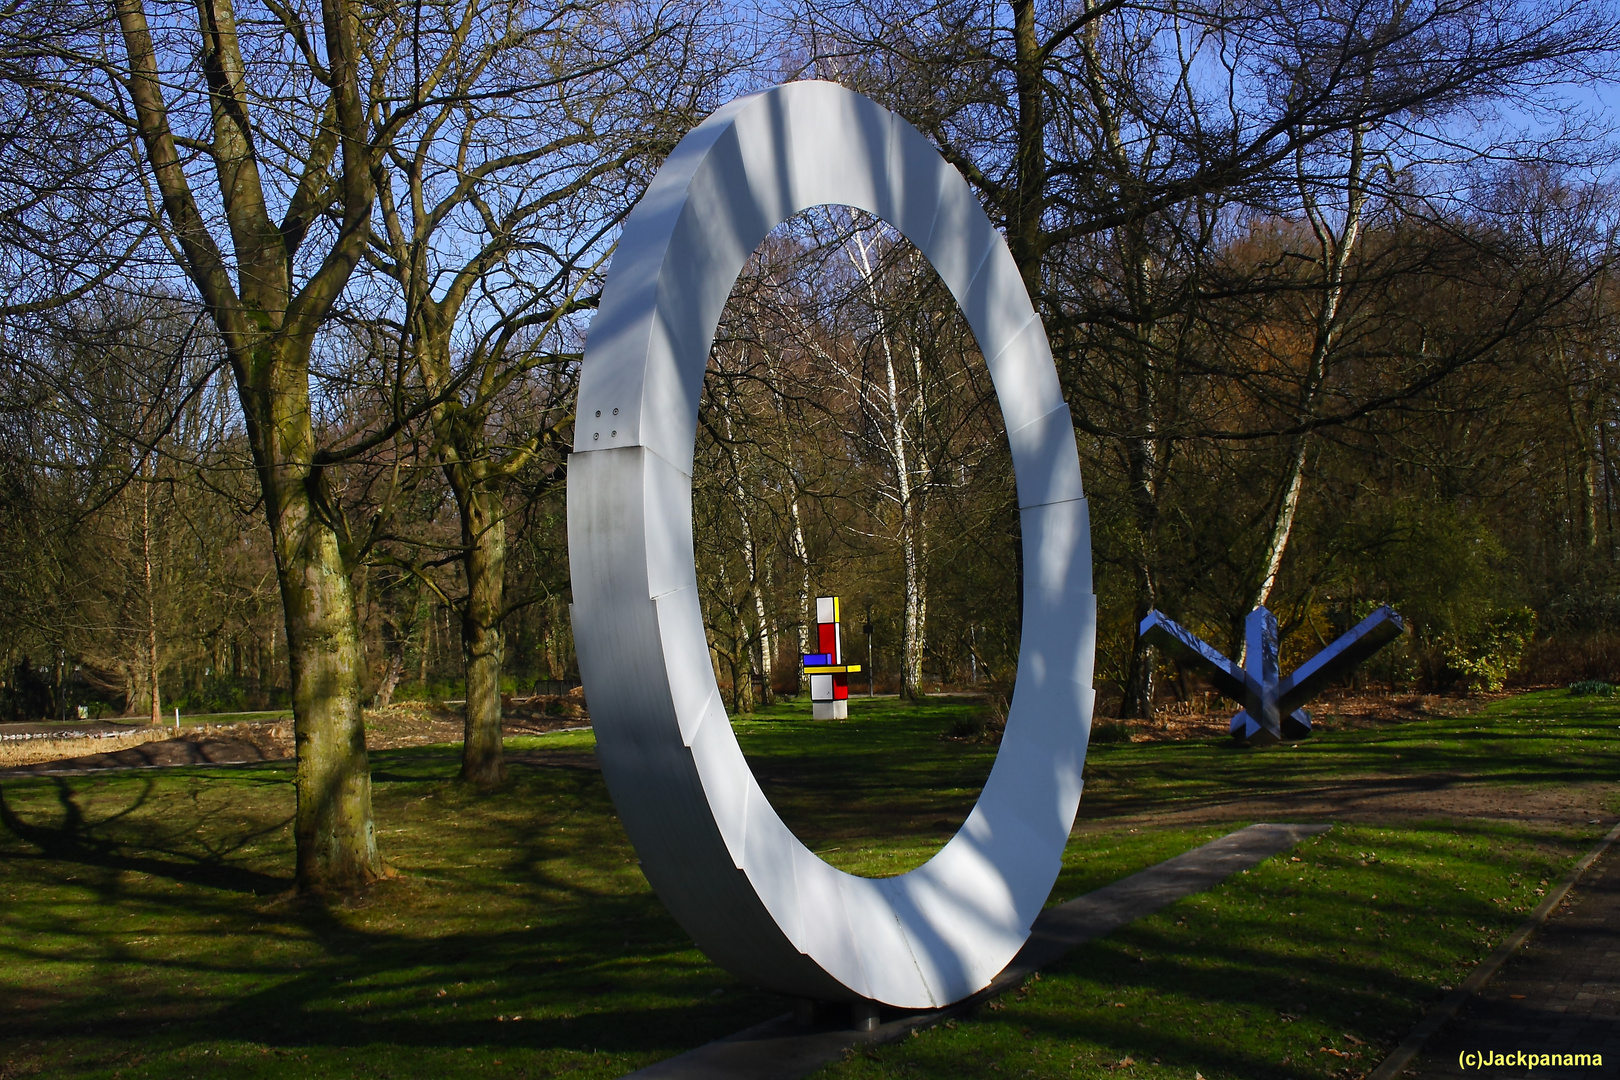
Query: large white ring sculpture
[(750, 894)]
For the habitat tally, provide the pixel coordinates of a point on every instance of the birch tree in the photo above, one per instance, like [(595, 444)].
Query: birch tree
[(1335, 236)]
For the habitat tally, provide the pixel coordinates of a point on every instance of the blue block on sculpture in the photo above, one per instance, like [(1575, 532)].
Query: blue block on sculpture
[(1271, 711), (817, 659)]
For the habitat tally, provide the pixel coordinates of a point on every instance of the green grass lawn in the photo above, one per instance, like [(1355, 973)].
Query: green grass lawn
[(146, 930)]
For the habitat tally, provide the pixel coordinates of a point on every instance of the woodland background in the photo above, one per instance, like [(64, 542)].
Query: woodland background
[(1330, 287)]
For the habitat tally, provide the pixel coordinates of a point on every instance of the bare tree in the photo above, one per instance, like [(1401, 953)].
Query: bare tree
[(525, 140), (256, 146), (844, 392), (1146, 132)]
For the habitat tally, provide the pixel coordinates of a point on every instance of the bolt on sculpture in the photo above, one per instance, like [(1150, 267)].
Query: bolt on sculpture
[(757, 900), (829, 675), (1271, 705)]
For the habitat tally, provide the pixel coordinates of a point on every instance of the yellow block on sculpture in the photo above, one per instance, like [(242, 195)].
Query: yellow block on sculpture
[(829, 669)]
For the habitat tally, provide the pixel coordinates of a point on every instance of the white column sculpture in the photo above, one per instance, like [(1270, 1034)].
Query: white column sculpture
[(829, 674), (752, 896)]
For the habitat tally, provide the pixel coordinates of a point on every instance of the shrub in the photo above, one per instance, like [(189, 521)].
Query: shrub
[(986, 725), (217, 694), (1484, 656), (1591, 688), (1110, 731), (1567, 657)]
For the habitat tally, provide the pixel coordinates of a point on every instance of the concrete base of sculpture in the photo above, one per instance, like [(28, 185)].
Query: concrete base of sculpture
[(829, 710), (1270, 710)]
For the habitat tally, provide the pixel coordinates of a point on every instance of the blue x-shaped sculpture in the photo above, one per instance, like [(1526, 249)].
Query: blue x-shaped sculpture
[(1271, 705)]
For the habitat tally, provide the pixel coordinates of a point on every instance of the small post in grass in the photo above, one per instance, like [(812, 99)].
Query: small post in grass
[(870, 668)]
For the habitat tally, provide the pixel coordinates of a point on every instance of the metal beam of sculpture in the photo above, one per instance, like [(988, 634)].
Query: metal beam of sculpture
[(748, 891), (1271, 705), (829, 675)]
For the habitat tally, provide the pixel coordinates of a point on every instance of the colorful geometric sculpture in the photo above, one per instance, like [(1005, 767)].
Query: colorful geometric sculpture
[(749, 892), (829, 675), (1271, 711)]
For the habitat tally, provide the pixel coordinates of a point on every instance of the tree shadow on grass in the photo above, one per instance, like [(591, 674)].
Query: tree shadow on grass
[(1271, 975), (405, 965), (76, 839), (1415, 760)]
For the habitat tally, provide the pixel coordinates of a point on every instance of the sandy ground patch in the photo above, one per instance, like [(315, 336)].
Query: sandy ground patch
[(402, 724)]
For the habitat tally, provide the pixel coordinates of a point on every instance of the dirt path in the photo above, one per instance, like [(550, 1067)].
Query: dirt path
[(1366, 799), (1375, 799), (204, 750), (411, 724)]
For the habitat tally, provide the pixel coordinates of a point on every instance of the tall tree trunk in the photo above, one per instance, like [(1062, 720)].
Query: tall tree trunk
[(478, 484), (1336, 247), (151, 607), (269, 330), (390, 679), (1026, 229), (1608, 486), (1141, 677), (1282, 524), (483, 534), (751, 558), (738, 657), (427, 648), (1146, 454), (913, 541), (768, 637), (1146, 449), (336, 839), (911, 545), (1581, 423), (802, 552), (763, 643)]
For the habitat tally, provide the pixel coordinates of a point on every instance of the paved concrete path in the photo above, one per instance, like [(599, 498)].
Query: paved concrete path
[(1561, 994), (780, 1049)]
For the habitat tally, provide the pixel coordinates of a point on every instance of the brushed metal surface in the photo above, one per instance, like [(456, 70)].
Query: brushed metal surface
[(720, 857)]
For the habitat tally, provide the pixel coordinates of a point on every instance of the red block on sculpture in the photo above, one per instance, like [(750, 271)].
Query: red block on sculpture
[(827, 640)]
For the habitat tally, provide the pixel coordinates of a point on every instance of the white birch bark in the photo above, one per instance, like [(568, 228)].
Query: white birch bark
[(1336, 247), (751, 560), (913, 548)]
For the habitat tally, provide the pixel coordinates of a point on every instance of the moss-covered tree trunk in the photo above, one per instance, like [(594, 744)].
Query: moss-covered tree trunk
[(483, 534), (337, 844), (478, 484), (336, 839)]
